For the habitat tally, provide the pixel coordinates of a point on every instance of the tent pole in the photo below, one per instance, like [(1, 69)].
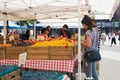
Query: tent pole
[(7, 24), (79, 41), (5, 27), (34, 29)]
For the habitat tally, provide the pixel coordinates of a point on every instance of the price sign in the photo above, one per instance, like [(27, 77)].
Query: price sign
[(22, 59)]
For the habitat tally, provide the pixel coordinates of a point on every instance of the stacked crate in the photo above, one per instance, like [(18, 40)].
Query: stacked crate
[(9, 73)]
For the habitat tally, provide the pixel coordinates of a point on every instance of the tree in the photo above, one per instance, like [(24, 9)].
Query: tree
[(26, 22)]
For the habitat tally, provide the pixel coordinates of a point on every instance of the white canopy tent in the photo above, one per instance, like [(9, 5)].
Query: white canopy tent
[(59, 10), (37, 9), (55, 9), (59, 25)]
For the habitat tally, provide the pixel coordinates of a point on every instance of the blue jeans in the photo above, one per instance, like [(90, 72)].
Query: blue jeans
[(92, 72)]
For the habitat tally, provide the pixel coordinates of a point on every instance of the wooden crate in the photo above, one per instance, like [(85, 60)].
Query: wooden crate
[(7, 39), (42, 53), (75, 49), (60, 57), (13, 52), (15, 75), (2, 52), (1, 39), (38, 53), (61, 53)]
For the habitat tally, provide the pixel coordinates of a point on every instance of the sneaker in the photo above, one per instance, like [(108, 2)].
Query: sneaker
[(89, 78)]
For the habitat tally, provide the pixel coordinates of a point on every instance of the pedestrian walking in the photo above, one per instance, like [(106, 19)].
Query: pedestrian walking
[(119, 38), (103, 38), (109, 36), (113, 39), (27, 35)]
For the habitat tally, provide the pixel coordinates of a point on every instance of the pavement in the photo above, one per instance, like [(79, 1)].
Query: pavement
[(110, 63)]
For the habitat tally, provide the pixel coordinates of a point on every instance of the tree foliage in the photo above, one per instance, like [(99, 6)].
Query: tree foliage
[(26, 22)]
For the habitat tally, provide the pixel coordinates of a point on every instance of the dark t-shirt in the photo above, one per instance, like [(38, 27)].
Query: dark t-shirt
[(119, 37), (67, 33)]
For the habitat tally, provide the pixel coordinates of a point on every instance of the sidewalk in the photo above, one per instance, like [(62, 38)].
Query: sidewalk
[(109, 69), (110, 63)]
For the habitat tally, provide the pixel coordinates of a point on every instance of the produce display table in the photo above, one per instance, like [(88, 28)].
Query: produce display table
[(40, 53), (46, 57), (51, 65)]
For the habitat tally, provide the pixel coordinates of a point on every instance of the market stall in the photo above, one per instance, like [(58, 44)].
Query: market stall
[(39, 10), (43, 55)]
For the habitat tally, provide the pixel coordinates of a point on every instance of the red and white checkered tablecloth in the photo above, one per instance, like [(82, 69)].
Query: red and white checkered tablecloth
[(52, 65)]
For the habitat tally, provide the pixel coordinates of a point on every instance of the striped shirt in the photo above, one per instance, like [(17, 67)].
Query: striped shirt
[(99, 32)]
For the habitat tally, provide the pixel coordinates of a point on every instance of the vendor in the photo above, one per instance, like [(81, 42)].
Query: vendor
[(1, 33), (43, 35), (64, 32), (27, 35), (48, 28)]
